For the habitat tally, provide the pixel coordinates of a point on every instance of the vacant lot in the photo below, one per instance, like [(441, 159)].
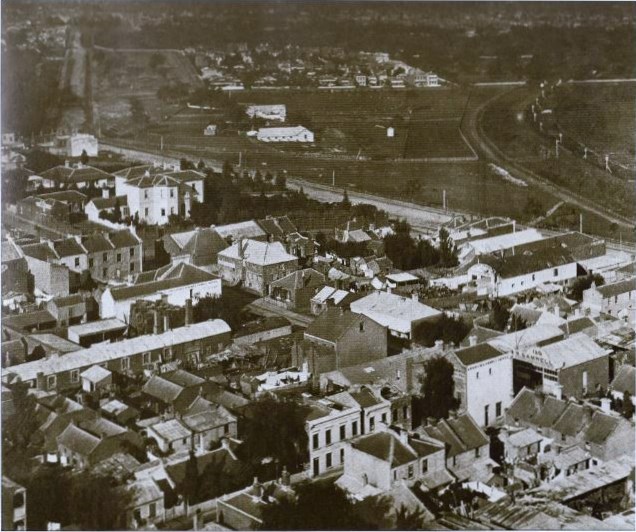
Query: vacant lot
[(122, 76), (505, 123), (602, 117)]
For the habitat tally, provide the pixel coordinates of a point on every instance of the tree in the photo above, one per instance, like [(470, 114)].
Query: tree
[(345, 200), (225, 307), (437, 391), (628, 406), (583, 283), (447, 249), (117, 210), (84, 157), (406, 519), (190, 484), (186, 164), (446, 328), (95, 503), (317, 506), (275, 431), (499, 314), (280, 181)]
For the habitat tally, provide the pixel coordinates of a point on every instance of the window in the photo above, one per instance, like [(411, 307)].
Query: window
[(361, 326), (405, 412), (486, 415), (498, 409), (147, 358), (533, 276), (90, 263), (454, 461), (18, 500), (394, 416), (132, 252), (167, 354), (163, 212), (226, 428), (394, 474), (316, 466), (145, 194), (51, 381), (342, 455), (477, 375), (328, 437), (354, 428), (477, 452), (343, 432), (146, 211), (171, 210), (105, 272), (125, 363), (132, 266), (76, 262), (411, 472), (315, 442), (584, 381), (118, 257), (562, 437), (556, 271), (75, 375), (424, 466), (172, 192), (372, 423), (105, 257), (152, 511), (384, 418)]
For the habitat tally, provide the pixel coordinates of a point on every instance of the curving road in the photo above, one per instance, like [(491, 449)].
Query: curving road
[(487, 150)]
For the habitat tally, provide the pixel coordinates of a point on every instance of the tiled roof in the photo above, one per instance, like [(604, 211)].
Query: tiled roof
[(68, 247), (577, 325), (68, 301), (574, 350), (365, 398), (624, 380), (42, 251), (601, 426), (95, 374), (124, 239), (177, 275), (183, 378), (171, 430), (333, 323), (109, 203), (330, 293), (10, 251), (461, 434), (78, 440), (549, 412), (542, 254), (524, 437), (616, 289), (68, 196), (393, 311), (248, 229), (259, 253), (162, 389), (208, 420), (97, 243), (306, 278), (75, 175), (386, 447), (477, 353), (137, 171), (198, 243), (572, 419), (186, 176), (100, 353)]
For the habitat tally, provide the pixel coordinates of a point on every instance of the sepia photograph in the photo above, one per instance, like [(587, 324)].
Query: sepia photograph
[(318, 265)]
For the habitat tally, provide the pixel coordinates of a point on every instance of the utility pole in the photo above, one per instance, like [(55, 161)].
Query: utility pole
[(444, 198), (580, 222), (333, 178), (240, 158)]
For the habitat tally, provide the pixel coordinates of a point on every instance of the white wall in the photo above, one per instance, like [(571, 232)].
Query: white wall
[(520, 283), (486, 384)]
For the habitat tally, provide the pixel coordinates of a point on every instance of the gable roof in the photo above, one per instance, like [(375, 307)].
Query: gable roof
[(174, 276), (67, 174), (10, 251), (68, 247), (392, 310), (110, 202), (624, 380), (78, 440), (299, 279), (386, 447), (162, 389), (247, 229), (616, 289), (461, 434), (259, 253), (477, 353), (574, 350), (205, 242), (333, 323)]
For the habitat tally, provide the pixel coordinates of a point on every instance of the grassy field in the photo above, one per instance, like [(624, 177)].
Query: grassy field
[(505, 125), (603, 117), (119, 75)]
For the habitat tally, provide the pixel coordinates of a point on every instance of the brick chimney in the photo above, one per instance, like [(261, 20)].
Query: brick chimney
[(606, 405), (472, 339)]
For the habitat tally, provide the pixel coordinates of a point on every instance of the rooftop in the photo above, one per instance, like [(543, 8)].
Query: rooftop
[(477, 353), (260, 253), (333, 323), (171, 430), (616, 289), (393, 311), (94, 327)]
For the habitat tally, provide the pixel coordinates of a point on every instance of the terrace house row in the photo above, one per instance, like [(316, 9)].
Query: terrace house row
[(189, 344)]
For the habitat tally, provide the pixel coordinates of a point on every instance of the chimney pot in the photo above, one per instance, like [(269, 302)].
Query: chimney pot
[(606, 404), (473, 339)]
